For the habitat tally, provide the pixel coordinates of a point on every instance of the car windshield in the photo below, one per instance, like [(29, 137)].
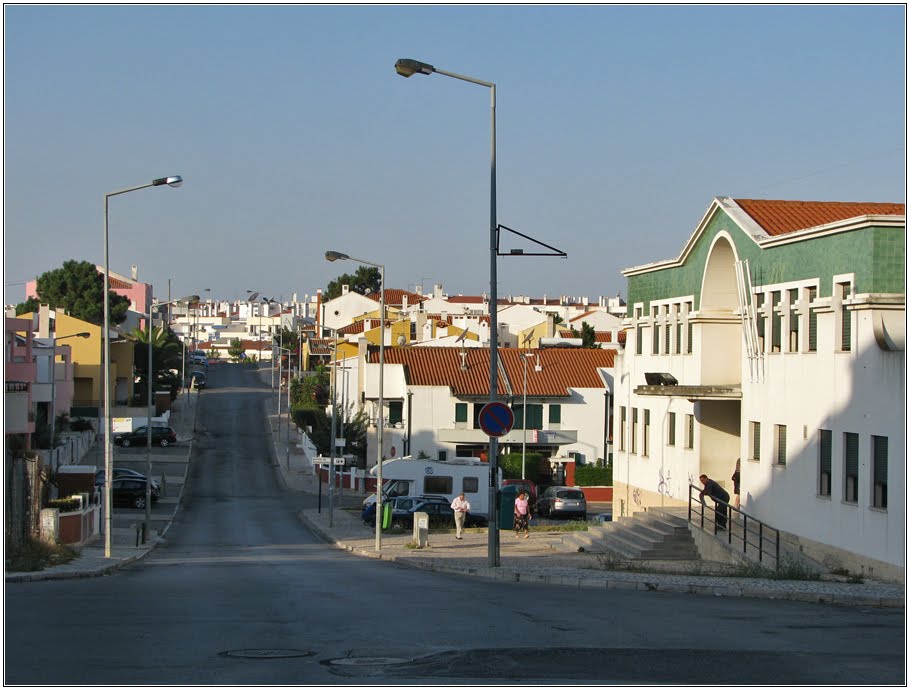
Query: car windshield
[(570, 494)]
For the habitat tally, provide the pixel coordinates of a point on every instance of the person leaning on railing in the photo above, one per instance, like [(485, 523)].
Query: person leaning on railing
[(721, 497)]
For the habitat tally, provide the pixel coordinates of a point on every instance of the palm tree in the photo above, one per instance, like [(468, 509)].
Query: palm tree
[(166, 355)]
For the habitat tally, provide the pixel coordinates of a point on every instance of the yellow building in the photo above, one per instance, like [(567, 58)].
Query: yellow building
[(87, 356)]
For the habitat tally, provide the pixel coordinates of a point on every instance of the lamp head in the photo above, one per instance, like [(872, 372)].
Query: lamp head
[(333, 256), (173, 181), (406, 67)]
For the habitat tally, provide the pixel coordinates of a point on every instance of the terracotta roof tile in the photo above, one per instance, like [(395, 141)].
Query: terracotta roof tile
[(561, 368), (778, 217)]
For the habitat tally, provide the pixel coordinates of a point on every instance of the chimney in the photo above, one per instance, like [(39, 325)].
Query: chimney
[(345, 289), (437, 290), (134, 272)]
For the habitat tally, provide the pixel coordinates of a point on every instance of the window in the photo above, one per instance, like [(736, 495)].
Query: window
[(776, 322), (845, 293), (880, 471), (470, 485), (667, 330), (690, 431), (638, 339), (655, 331), (793, 322), (535, 416), (646, 430), (623, 428), (825, 463), (678, 330), (754, 440), (437, 484), (441, 455), (395, 412), (634, 431), (672, 429), (781, 444), (477, 415), (553, 414), (461, 413), (760, 320), (811, 321), (851, 462), (689, 328)]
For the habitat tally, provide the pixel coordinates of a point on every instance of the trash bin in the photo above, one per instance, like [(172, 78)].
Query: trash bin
[(387, 516), (507, 496)]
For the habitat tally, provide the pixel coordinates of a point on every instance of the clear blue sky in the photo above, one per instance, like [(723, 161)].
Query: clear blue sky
[(616, 126)]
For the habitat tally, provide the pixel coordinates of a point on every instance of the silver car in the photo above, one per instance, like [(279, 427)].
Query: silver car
[(562, 501)]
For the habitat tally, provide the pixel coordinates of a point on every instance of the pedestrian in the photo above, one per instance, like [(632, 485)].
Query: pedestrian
[(460, 507), (721, 497), (736, 479), (522, 514)]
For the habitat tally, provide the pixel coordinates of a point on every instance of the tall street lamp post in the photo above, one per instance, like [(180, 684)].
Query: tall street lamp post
[(525, 357), (173, 181), (81, 334), (149, 380), (333, 256), (407, 68)]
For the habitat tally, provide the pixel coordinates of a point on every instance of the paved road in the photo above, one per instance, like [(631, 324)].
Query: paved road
[(243, 593)]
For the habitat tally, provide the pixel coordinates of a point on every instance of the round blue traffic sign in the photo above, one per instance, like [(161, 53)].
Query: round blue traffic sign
[(496, 419)]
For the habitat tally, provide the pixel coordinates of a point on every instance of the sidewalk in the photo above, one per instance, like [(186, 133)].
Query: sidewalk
[(543, 558), (124, 549)]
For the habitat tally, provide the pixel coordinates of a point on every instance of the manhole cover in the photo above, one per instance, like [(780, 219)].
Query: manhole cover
[(368, 661), (266, 653)]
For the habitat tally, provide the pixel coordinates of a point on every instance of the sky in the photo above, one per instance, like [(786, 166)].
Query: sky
[(616, 126)]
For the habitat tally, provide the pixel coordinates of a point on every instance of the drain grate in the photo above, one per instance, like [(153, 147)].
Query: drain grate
[(370, 661), (266, 653)]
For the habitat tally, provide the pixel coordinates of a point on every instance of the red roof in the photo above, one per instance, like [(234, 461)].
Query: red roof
[(778, 217), (561, 368)]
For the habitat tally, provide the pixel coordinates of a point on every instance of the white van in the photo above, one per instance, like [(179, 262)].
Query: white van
[(410, 477)]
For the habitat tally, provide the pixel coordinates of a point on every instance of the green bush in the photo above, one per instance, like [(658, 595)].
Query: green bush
[(80, 424), (511, 464), (68, 504), (591, 475)]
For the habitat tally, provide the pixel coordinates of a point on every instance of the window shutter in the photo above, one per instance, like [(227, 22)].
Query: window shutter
[(553, 414), (851, 464), (756, 448), (880, 460)]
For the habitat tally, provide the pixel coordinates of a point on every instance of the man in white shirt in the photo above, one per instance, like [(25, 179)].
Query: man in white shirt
[(461, 507)]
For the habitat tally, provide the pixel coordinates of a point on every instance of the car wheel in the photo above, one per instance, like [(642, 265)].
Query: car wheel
[(125, 442), (163, 442), (139, 502)]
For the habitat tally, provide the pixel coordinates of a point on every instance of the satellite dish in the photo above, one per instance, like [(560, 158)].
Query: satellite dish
[(462, 336), (530, 335), (400, 340)]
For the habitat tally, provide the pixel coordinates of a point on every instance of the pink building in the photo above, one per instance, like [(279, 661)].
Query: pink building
[(21, 374)]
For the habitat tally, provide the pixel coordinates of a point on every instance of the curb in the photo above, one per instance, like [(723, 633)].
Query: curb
[(756, 591)]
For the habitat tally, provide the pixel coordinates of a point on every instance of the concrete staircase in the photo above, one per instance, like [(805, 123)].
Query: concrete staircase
[(656, 534)]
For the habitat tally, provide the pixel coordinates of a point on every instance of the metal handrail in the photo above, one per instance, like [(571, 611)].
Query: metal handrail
[(768, 545)]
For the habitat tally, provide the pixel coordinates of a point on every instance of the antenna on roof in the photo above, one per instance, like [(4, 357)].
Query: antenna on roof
[(528, 337)]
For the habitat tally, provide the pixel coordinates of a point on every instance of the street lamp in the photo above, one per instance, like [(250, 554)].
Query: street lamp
[(173, 181), (525, 357), (407, 68), (334, 256), (81, 334), (148, 518)]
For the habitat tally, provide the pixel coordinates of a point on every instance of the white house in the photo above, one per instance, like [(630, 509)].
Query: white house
[(781, 326), (432, 398)]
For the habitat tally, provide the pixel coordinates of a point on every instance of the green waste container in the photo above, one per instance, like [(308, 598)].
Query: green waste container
[(387, 516), (507, 495)]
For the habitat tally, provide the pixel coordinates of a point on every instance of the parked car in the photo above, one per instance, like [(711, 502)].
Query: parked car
[(562, 501), (440, 515), (199, 378), (127, 491), (525, 486), (400, 506), (163, 436), (125, 473)]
